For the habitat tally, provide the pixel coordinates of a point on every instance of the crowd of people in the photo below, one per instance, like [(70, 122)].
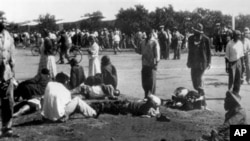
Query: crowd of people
[(58, 95)]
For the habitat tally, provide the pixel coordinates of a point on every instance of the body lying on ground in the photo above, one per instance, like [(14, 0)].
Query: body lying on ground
[(148, 108), (31, 92), (96, 92), (184, 99)]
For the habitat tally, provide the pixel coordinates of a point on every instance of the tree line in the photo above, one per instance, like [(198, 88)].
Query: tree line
[(139, 18)]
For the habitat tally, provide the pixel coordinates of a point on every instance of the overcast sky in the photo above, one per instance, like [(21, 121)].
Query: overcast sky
[(22, 10)]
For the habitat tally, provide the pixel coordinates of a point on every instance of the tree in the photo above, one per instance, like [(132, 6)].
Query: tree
[(93, 22), (133, 19), (47, 21)]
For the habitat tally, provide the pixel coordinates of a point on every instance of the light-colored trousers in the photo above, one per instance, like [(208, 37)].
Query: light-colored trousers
[(77, 105)]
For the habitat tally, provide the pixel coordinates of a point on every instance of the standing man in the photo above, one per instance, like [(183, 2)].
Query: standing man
[(163, 41), (176, 43), (150, 51), (7, 73), (217, 39), (199, 59), (246, 43), (65, 46), (235, 62)]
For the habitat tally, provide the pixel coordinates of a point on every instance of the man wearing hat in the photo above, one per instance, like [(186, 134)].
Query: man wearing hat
[(235, 115), (7, 74), (199, 59), (235, 62), (164, 43)]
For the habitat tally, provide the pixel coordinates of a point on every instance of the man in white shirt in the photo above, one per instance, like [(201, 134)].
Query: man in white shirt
[(246, 43), (58, 105), (235, 62)]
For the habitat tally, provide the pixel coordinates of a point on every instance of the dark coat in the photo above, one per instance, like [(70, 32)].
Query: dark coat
[(32, 88), (199, 53), (109, 75), (77, 76)]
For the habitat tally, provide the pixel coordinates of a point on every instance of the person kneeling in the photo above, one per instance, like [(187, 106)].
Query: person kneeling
[(58, 104)]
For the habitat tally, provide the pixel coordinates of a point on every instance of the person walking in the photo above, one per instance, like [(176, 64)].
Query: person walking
[(7, 75), (64, 47), (235, 62), (199, 59), (94, 63), (150, 51), (246, 43)]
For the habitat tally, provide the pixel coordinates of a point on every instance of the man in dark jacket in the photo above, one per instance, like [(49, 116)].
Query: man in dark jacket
[(199, 59), (65, 46)]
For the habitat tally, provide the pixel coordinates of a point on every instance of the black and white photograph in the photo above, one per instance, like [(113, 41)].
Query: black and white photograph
[(124, 70)]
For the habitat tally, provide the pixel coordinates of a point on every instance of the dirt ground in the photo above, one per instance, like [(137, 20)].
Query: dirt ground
[(170, 75)]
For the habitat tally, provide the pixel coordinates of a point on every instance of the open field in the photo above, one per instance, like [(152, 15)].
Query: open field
[(170, 75)]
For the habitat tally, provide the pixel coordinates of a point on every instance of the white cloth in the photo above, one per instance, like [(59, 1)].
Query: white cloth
[(94, 62), (56, 98), (116, 38), (234, 50), (246, 46)]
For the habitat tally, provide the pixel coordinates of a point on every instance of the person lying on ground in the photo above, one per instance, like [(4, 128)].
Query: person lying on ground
[(184, 99), (31, 92), (235, 115), (148, 108), (94, 89), (58, 105)]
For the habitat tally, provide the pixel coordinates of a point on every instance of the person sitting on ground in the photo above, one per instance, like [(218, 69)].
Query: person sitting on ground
[(148, 108), (94, 89), (109, 73), (77, 75), (31, 92), (235, 115), (58, 105)]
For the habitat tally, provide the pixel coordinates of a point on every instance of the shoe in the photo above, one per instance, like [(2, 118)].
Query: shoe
[(163, 118), (9, 133)]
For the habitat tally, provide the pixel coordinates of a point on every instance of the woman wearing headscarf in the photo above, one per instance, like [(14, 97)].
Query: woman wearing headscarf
[(47, 59), (109, 73), (94, 63)]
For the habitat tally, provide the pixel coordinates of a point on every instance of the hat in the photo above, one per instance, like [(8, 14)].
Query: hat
[(156, 100), (235, 97), (237, 32), (198, 28)]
